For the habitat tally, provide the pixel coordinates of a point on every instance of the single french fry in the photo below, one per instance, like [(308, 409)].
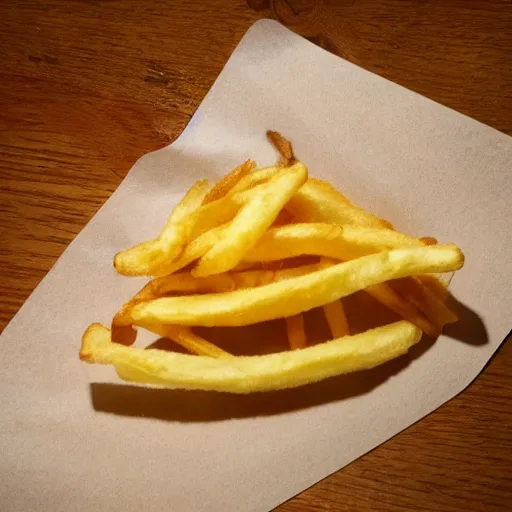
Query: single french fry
[(249, 374), (299, 294), (283, 147), (187, 339), (254, 218), (295, 331), (226, 184), (330, 240), (318, 201), (336, 318)]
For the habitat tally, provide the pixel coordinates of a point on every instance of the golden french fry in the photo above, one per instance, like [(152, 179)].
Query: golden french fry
[(389, 298), (254, 218), (257, 177), (122, 325), (299, 294), (336, 318), (339, 242), (295, 331), (250, 373), (187, 339), (318, 201), (195, 249), (284, 148), (226, 184), (436, 286), (428, 240), (435, 309), (145, 258), (222, 210)]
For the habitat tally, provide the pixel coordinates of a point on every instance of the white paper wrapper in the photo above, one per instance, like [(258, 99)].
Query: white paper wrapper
[(67, 444)]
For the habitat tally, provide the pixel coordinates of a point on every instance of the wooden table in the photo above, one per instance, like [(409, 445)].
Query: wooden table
[(88, 86)]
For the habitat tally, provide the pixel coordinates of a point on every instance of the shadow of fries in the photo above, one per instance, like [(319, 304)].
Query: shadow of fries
[(203, 406), (470, 329)]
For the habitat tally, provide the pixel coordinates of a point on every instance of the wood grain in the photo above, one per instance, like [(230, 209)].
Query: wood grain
[(88, 86)]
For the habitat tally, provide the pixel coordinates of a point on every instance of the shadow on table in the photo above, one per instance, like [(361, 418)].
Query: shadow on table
[(202, 406)]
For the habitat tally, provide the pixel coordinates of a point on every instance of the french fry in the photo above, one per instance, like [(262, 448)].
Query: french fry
[(255, 217), (428, 240), (330, 240), (249, 374), (226, 184), (336, 318), (145, 258), (187, 339), (318, 201), (299, 294), (435, 309), (295, 331), (284, 148), (389, 298), (257, 177), (122, 325)]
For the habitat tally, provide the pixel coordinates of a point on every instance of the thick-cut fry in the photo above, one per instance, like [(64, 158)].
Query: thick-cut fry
[(295, 331), (413, 290), (287, 298), (336, 318), (339, 242), (318, 201), (389, 298), (145, 258), (284, 148), (226, 184), (124, 333), (252, 221), (253, 373)]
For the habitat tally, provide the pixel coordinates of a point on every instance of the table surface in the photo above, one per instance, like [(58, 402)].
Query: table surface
[(88, 86)]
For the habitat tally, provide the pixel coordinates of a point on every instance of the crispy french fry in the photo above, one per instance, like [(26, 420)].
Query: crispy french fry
[(318, 201), (436, 286), (336, 318), (435, 309), (428, 240), (255, 217), (389, 298), (122, 325), (195, 249), (257, 177), (226, 184), (283, 147), (145, 258), (253, 373), (296, 295), (339, 242), (187, 339), (295, 331)]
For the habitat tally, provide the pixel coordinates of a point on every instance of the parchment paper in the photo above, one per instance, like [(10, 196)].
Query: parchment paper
[(67, 444)]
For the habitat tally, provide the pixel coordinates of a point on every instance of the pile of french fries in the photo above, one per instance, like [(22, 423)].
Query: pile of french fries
[(266, 244)]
